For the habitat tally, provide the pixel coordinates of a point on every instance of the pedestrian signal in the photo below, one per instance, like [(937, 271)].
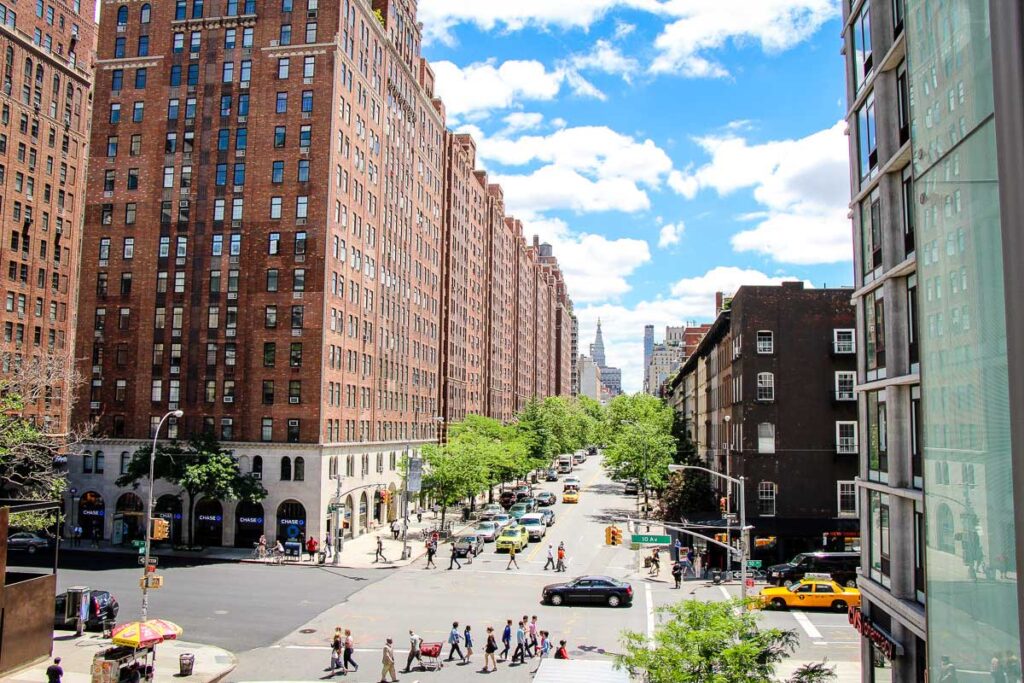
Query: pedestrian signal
[(161, 529)]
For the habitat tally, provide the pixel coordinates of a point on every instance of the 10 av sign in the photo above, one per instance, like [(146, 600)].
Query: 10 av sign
[(651, 539)]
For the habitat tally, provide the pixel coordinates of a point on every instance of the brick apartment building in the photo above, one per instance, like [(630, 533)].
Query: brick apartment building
[(45, 107), (769, 392), (316, 283)]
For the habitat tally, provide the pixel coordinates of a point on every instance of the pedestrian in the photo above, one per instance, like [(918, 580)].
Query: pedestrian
[(379, 557), (467, 638), (520, 651), (311, 545), (419, 515), (337, 645), (262, 545), (551, 558), (54, 672), (655, 563), (453, 640), (512, 557), (560, 567), (387, 662), (506, 639), (562, 652), (77, 533), (350, 648), (531, 631), (414, 651), (396, 528), (677, 573), (489, 649), (436, 508), (698, 568), (996, 671), (545, 644), (95, 537), (677, 549), (455, 558), (328, 546), (431, 551)]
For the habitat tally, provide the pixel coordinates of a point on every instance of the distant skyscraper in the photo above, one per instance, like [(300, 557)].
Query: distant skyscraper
[(597, 348), (648, 344), (611, 378)]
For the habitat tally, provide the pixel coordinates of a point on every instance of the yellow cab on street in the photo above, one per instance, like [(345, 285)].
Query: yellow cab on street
[(571, 496), (812, 591)]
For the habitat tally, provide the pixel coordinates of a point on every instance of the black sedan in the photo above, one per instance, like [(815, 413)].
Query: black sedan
[(552, 474), (589, 590), (470, 543), (102, 607), (545, 498)]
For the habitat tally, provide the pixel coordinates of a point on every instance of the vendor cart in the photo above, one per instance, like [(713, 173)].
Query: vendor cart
[(122, 664), (431, 654)]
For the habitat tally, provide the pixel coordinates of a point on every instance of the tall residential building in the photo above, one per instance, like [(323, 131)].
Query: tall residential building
[(575, 351), (781, 411), (648, 344), (325, 269), (45, 108), (667, 357), (590, 379)]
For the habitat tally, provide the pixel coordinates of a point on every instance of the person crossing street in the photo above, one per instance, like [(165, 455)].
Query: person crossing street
[(379, 557), (512, 557), (455, 558), (388, 662), (414, 651), (453, 640), (506, 639), (551, 558), (560, 567)]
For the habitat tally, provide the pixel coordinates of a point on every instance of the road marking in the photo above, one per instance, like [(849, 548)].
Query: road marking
[(650, 612), (725, 592), (810, 629)]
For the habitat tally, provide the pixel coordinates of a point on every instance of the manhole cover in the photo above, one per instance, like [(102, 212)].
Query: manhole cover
[(308, 630)]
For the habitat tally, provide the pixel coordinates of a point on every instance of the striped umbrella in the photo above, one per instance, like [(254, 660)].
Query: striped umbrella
[(136, 634), (168, 629)]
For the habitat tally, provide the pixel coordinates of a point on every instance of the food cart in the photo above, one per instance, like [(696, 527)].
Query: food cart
[(132, 658)]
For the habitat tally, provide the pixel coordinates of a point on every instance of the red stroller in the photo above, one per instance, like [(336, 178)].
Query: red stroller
[(431, 652)]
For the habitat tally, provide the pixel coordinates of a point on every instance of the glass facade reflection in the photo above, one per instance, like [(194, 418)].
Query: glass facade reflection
[(970, 554)]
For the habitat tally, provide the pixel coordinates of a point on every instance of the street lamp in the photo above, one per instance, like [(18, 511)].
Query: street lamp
[(741, 482), (728, 489), (149, 512)]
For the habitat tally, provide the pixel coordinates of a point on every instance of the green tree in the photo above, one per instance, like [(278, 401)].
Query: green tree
[(689, 492), (533, 431), (200, 468), (642, 452), (708, 642), (453, 471)]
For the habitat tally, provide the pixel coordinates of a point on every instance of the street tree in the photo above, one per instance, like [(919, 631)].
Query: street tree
[(534, 432), (453, 472), (708, 642), (201, 468), (687, 493), (640, 451)]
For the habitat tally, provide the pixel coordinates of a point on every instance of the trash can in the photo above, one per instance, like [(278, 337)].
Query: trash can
[(185, 664), (716, 576)]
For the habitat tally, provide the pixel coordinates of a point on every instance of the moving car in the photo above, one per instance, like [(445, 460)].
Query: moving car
[(506, 499), (549, 516), (523, 491), (470, 543), (545, 498), (631, 488), (820, 592), (102, 607), (490, 510), (571, 482), (487, 530), (535, 525), (552, 474), (503, 520), (592, 450), (530, 503), (592, 590), (840, 566), (518, 510), (24, 540), (512, 537), (578, 458), (571, 496)]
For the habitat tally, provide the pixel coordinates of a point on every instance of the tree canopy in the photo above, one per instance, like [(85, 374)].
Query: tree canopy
[(640, 441)]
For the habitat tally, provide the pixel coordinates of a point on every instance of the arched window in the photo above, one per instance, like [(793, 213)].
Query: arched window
[(126, 459), (144, 14), (98, 462), (286, 469), (28, 69), (122, 15), (87, 463), (257, 465), (765, 386), (300, 469)]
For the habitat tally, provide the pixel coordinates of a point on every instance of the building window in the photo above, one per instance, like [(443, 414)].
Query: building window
[(257, 466), (765, 437), (300, 469), (227, 431), (907, 201), (912, 328), (862, 56), (916, 464), (765, 386), (766, 494), (765, 342), (874, 335), (877, 433), (267, 429), (846, 438), (867, 140), (847, 498), (845, 382), (844, 341), (293, 432), (879, 532), (87, 463)]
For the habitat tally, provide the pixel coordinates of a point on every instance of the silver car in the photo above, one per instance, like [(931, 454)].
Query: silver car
[(487, 530)]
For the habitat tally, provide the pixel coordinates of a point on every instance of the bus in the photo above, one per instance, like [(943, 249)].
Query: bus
[(565, 464)]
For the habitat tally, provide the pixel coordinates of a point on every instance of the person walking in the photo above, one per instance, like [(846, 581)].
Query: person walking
[(350, 648), (396, 528), (512, 558), (467, 638), (431, 551), (531, 631), (520, 651), (453, 640), (455, 558), (54, 672), (311, 545), (387, 662), (414, 651), (506, 639), (489, 649), (379, 557), (560, 567), (677, 573), (655, 563), (545, 644), (551, 558), (562, 652), (337, 645)]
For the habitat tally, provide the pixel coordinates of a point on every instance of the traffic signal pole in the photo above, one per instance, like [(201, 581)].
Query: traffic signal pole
[(149, 514)]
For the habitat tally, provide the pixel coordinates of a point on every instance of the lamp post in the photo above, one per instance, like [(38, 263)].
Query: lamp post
[(149, 512), (741, 482), (728, 489)]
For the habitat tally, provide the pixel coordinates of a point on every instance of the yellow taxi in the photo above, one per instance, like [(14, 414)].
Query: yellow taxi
[(571, 496), (811, 592), (513, 537)]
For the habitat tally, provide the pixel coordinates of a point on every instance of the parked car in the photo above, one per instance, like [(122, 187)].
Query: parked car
[(545, 498), (503, 520), (518, 510), (592, 590), (102, 607), (25, 540), (535, 525), (512, 537), (549, 516), (811, 593), (487, 530), (530, 503), (490, 510), (552, 474), (840, 566), (506, 498), (631, 488), (571, 496), (470, 543), (523, 491)]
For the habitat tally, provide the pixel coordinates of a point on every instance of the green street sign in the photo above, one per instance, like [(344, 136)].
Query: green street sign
[(650, 539), (138, 544), (753, 564)]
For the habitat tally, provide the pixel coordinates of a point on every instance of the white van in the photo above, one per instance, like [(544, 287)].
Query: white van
[(535, 524), (565, 464)]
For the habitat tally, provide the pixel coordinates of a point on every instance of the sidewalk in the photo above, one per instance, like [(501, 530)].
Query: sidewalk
[(212, 663)]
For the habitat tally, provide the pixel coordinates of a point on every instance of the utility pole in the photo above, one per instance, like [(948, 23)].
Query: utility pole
[(149, 513), (338, 520)]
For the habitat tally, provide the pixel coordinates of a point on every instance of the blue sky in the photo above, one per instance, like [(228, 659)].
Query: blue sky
[(666, 148)]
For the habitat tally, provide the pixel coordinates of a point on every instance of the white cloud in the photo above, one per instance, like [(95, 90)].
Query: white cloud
[(623, 29), (692, 299), (703, 26), (670, 234), (520, 121), (484, 86), (606, 58), (802, 184)]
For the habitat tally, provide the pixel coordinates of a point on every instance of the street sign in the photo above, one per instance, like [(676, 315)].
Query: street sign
[(415, 483), (651, 539), (138, 544), (753, 564), (153, 561)]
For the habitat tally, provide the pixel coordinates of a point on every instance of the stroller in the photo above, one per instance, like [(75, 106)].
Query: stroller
[(431, 652)]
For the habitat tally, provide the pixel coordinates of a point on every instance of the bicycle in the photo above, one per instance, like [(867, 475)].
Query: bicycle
[(258, 552)]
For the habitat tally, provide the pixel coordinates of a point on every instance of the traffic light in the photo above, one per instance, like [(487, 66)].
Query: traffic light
[(723, 504), (385, 496), (161, 529), (609, 535), (722, 538), (616, 536)]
